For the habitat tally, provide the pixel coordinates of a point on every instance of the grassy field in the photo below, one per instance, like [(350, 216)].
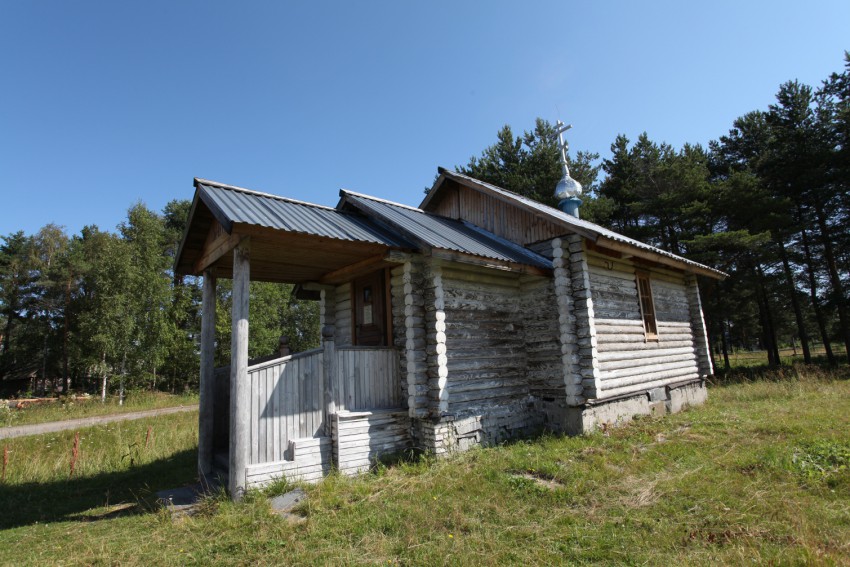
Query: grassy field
[(63, 409), (759, 474), (787, 355)]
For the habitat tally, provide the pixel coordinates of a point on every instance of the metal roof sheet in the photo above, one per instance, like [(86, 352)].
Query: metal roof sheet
[(240, 205), (448, 234), (579, 225)]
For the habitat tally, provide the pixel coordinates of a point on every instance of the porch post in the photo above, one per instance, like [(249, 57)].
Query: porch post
[(240, 388), (330, 376), (207, 387)]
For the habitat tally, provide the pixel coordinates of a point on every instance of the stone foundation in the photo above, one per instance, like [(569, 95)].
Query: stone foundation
[(674, 399), (490, 427), (499, 424)]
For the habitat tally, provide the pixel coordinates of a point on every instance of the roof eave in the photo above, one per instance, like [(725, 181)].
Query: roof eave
[(177, 257), (441, 178), (673, 262)]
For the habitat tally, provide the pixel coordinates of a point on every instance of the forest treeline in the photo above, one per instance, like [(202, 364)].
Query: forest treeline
[(102, 310), (767, 203)]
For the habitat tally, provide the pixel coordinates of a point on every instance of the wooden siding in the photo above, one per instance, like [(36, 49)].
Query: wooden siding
[(501, 218), (367, 378), (361, 438), (484, 338), (343, 316), (628, 361)]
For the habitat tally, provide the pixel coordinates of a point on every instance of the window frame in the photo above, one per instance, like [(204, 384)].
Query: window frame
[(646, 299)]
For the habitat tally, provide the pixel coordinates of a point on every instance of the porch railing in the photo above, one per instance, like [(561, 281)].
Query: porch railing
[(287, 395)]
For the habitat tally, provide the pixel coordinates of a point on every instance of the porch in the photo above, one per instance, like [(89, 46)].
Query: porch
[(313, 410), (296, 415)]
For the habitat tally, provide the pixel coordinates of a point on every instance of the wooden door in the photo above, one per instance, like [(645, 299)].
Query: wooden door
[(370, 326)]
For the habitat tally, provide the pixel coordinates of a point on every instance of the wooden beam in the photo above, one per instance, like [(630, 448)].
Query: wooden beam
[(218, 243), (353, 270), (240, 387), (397, 257), (463, 258)]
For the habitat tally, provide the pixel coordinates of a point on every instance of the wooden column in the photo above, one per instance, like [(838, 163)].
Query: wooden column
[(207, 387), (329, 362), (240, 388)]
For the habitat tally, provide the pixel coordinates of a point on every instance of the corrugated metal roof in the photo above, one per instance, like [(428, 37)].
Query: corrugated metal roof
[(578, 225), (240, 205), (448, 234)]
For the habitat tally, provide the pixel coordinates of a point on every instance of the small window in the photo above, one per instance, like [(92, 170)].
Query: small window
[(647, 307)]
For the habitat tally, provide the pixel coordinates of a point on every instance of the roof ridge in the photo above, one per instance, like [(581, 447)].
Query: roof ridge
[(238, 189), (385, 201)]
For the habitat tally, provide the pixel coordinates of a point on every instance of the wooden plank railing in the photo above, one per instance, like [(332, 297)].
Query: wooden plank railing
[(367, 378), (286, 403), (287, 396)]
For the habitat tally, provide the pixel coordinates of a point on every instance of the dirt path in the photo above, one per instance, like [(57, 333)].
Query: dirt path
[(51, 426)]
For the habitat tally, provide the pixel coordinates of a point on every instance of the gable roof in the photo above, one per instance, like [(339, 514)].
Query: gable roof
[(293, 241), (435, 231), (597, 234), (305, 242), (232, 204)]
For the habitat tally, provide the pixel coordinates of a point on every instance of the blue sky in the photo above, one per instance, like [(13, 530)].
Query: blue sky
[(103, 104)]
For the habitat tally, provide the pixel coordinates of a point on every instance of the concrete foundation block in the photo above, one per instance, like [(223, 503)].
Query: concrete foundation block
[(587, 418), (687, 396)]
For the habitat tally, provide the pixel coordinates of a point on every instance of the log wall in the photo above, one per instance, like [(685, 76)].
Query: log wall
[(628, 361), (484, 338), (538, 309), (415, 357)]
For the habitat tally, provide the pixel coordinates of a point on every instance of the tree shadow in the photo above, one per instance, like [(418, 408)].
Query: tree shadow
[(122, 493), (819, 369)]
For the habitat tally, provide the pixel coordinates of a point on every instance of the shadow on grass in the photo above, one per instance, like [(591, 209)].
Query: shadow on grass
[(820, 369), (29, 503)]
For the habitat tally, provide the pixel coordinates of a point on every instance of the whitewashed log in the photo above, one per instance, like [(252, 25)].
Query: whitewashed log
[(649, 385), (649, 369), (611, 361)]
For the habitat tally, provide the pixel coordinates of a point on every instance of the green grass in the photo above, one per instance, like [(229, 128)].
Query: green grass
[(757, 475), (63, 409)]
